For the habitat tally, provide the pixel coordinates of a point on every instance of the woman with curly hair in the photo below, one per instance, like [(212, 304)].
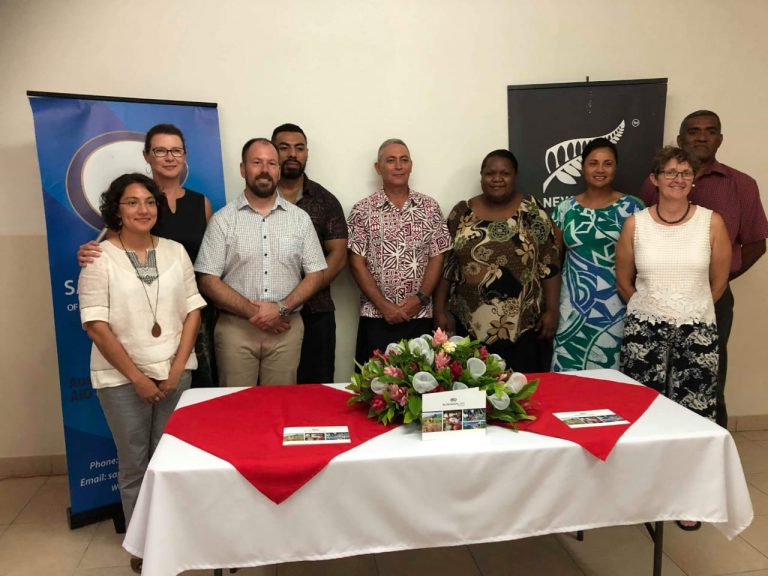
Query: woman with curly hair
[(140, 305), (501, 280)]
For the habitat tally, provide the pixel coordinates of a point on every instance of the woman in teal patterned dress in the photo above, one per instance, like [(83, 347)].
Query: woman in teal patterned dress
[(591, 312)]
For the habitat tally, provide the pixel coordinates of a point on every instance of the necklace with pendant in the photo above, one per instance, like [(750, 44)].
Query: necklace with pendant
[(147, 273)]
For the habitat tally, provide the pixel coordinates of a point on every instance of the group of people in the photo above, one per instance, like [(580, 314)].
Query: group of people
[(499, 269)]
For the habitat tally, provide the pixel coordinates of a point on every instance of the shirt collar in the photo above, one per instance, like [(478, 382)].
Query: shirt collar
[(280, 202), (716, 168), (380, 199)]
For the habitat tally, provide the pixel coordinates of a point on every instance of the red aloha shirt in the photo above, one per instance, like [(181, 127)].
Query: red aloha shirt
[(397, 244)]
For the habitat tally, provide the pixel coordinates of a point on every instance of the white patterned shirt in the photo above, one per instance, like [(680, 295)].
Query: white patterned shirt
[(397, 244), (261, 257)]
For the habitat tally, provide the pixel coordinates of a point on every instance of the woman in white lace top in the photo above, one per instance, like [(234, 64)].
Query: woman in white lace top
[(672, 263)]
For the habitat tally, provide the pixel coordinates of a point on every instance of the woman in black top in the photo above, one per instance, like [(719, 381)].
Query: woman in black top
[(183, 219)]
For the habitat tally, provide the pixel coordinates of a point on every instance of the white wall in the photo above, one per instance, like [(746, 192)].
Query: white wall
[(353, 73)]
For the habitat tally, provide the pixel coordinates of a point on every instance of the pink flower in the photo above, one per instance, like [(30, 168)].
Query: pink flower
[(441, 360), (440, 337), (456, 369), (394, 371), (398, 394), (378, 354), (378, 403), (483, 352)]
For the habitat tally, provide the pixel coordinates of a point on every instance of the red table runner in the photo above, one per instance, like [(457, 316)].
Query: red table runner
[(246, 429), (568, 393)]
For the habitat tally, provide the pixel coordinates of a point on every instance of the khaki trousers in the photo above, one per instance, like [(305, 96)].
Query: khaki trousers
[(248, 356)]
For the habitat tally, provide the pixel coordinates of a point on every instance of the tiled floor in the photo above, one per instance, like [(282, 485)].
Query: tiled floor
[(35, 539)]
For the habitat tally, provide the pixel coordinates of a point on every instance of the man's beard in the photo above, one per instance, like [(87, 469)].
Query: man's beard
[(262, 192), (291, 172)]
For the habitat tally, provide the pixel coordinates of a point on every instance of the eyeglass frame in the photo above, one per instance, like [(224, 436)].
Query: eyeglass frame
[(135, 203), (175, 152), (685, 174)]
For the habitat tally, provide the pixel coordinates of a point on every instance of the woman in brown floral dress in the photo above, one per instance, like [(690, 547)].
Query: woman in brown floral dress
[(501, 280)]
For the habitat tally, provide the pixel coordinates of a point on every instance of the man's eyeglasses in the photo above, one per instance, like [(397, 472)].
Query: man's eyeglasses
[(135, 203), (161, 152), (673, 174)]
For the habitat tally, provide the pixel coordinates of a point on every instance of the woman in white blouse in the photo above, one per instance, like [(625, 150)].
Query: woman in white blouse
[(140, 305), (672, 263)]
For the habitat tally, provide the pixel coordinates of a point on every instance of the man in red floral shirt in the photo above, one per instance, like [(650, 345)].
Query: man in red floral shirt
[(397, 238)]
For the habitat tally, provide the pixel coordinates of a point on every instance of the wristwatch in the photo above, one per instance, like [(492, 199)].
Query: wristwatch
[(283, 310), (423, 298)]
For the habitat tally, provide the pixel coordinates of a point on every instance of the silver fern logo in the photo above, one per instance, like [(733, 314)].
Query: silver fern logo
[(563, 160)]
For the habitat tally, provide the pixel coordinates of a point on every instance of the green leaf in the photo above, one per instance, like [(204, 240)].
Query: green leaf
[(414, 404)]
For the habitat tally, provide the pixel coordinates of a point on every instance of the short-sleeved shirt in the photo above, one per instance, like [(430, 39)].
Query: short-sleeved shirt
[(110, 291), (328, 219), (732, 194), (260, 257), (397, 244), (496, 269)]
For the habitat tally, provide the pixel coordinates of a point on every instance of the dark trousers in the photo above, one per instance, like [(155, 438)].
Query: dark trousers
[(523, 355), (376, 334), (206, 375), (318, 350), (724, 318)]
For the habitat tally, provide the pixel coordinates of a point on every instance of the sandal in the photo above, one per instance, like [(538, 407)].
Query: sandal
[(136, 564), (688, 528)]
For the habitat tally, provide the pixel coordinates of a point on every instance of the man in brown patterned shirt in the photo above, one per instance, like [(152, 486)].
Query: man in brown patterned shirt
[(318, 349)]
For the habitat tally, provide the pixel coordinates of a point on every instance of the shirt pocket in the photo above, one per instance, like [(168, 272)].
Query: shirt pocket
[(289, 250)]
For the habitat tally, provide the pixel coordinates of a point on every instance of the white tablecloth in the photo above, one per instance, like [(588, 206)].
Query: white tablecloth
[(396, 492)]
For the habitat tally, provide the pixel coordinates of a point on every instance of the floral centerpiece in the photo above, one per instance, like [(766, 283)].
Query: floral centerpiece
[(391, 382)]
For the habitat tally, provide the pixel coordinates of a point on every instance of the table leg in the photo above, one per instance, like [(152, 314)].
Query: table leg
[(657, 533), (217, 572), (580, 535)]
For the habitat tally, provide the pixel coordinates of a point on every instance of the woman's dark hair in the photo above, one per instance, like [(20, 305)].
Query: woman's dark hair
[(673, 153), (501, 153), (599, 143), (110, 200), (163, 129)]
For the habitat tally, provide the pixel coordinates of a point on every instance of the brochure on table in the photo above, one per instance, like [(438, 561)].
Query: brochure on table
[(590, 418), (453, 414), (303, 435)]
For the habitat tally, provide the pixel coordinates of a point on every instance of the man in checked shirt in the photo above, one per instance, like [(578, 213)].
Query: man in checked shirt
[(250, 265), (734, 195)]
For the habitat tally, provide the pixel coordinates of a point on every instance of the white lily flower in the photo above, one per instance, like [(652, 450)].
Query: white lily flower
[(459, 386), (393, 348), (456, 339), (424, 382), (516, 382), (476, 367), (378, 386), (500, 403), (502, 363), (420, 347)]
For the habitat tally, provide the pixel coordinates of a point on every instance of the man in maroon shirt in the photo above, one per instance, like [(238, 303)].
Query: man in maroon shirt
[(318, 349), (735, 196)]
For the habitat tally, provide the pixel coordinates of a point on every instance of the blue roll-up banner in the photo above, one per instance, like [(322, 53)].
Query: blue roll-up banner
[(83, 143)]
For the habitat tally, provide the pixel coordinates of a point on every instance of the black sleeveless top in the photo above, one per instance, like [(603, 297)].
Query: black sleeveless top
[(187, 225)]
